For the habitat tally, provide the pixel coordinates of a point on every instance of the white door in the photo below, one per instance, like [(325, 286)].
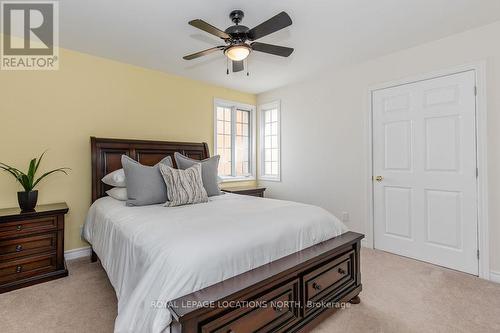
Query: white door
[(424, 155)]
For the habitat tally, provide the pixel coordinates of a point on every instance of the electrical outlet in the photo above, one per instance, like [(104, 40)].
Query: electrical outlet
[(345, 217)]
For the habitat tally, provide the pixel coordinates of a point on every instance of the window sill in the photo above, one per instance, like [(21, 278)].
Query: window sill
[(236, 179), (270, 179)]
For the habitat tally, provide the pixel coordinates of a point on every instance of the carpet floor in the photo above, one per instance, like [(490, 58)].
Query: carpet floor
[(399, 295)]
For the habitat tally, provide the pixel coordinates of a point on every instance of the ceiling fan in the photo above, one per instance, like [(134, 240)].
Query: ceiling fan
[(236, 36)]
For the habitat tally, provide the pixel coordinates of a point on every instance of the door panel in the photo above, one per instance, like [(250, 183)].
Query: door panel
[(398, 211), (397, 137), (443, 218), (442, 143), (425, 152)]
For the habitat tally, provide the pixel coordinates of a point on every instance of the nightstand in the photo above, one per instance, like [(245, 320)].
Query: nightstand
[(31, 246), (255, 191)]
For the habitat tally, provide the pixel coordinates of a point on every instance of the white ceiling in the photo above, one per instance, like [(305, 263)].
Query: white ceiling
[(325, 34)]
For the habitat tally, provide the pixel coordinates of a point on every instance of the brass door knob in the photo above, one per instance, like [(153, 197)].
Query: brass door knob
[(379, 178)]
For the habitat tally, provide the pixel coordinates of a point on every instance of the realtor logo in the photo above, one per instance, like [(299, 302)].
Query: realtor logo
[(30, 35)]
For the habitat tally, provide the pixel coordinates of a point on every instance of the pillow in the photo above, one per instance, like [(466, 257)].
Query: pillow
[(118, 193), (184, 187), (145, 185), (115, 178), (209, 172)]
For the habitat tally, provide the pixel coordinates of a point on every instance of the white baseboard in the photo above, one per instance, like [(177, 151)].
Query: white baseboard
[(77, 253), (495, 276)]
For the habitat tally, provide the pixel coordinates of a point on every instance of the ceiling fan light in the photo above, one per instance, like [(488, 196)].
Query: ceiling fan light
[(237, 52)]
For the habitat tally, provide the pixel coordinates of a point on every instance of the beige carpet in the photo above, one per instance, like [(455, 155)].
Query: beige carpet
[(400, 295)]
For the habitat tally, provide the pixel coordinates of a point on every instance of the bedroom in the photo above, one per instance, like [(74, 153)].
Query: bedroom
[(360, 195)]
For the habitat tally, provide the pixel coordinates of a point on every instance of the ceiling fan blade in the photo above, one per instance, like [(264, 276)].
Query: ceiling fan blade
[(272, 49), (200, 24), (202, 53), (275, 23), (238, 66)]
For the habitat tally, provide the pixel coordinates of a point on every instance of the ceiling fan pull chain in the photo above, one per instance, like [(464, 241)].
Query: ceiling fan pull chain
[(246, 65), (227, 66)]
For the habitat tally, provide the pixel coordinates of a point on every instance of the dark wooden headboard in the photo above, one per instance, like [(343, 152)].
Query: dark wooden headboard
[(106, 156)]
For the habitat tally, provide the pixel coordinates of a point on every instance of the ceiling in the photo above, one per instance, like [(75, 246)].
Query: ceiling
[(325, 34)]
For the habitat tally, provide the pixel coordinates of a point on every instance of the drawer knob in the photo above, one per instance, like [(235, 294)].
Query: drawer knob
[(19, 248), (19, 269), (341, 271), (316, 286), (277, 309), (19, 227)]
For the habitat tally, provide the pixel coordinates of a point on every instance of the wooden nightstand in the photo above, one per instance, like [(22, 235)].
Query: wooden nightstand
[(31, 246), (255, 191)]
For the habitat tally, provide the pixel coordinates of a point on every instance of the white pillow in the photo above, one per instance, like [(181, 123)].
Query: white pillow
[(115, 178), (118, 193)]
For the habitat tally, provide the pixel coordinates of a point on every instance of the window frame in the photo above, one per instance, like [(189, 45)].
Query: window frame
[(261, 109), (252, 138)]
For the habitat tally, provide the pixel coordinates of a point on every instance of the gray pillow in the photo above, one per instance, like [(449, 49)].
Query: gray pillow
[(209, 172), (184, 187), (145, 185)]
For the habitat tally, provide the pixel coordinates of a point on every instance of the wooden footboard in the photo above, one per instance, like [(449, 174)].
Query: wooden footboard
[(292, 294)]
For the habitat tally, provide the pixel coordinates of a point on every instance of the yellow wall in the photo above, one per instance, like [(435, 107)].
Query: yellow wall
[(91, 96)]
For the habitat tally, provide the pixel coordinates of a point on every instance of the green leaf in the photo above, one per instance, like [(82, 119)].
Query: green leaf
[(31, 170), (15, 172), (39, 160), (11, 171), (5, 166), (63, 170), (26, 183)]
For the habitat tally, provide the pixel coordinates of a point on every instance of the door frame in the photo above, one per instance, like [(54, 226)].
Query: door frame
[(481, 156)]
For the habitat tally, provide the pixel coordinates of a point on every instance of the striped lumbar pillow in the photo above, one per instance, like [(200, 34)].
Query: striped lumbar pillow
[(184, 187)]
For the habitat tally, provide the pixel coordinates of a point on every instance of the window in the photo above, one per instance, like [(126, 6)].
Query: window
[(270, 141), (234, 140)]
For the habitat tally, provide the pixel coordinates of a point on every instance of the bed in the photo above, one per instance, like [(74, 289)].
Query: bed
[(235, 264)]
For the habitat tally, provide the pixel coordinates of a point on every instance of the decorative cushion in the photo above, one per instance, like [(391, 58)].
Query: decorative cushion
[(118, 193), (115, 178), (209, 172), (184, 187), (145, 185)]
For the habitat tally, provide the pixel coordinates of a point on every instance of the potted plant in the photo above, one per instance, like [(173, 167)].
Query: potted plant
[(27, 199)]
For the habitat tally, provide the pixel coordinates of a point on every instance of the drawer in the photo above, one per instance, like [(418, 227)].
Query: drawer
[(329, 277), (26, 227), (26, 267), (276, 311), (26, 246)]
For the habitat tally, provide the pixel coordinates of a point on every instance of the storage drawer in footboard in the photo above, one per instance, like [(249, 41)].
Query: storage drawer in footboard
[(323, 283), (273, 312)]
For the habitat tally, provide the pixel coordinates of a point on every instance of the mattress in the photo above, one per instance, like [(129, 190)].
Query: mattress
[(154, 254)]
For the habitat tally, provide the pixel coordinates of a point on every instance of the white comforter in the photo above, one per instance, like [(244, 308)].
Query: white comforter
[(155, 253)]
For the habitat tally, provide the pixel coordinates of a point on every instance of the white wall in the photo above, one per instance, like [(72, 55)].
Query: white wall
[(324, 125)]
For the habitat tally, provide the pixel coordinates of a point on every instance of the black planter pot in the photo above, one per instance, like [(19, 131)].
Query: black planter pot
[(27, 200)]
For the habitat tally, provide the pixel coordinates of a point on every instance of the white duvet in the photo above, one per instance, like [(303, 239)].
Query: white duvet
[(156, 253)]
